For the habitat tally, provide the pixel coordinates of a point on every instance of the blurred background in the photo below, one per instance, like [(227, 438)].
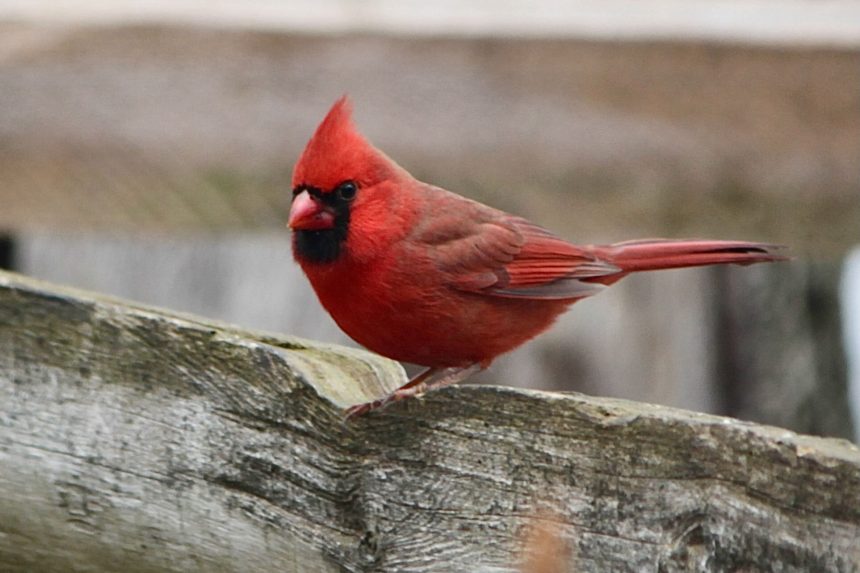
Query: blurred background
[(146, 150)]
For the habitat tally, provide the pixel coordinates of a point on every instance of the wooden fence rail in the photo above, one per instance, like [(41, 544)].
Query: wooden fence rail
[(135, 439)]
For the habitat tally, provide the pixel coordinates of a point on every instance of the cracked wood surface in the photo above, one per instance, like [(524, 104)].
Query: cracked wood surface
[(144, 440)]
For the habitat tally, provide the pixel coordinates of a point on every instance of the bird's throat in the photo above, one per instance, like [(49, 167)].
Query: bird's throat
[(323, 245)]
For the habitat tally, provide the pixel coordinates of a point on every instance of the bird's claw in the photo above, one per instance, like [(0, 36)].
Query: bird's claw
[(396, 396), (361, 409)]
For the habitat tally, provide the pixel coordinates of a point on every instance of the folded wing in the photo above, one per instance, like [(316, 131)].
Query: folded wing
[(492, 253)]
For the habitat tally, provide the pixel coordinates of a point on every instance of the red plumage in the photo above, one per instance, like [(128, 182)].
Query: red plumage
[(423, 275)]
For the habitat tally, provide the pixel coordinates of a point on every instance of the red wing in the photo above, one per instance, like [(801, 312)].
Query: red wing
[(485, 251), (550, 267)]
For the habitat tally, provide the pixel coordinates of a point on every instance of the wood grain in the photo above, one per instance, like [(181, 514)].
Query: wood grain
[(141, 440)]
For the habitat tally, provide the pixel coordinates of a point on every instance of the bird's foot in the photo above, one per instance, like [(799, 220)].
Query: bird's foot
[(396, 396), (430, 379)]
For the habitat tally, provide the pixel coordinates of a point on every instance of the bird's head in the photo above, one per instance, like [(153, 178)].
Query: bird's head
[(339, 180)]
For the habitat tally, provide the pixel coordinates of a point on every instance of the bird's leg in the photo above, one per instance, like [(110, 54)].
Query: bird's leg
[(430, 379), (421, 378), (417, 380), (435, 378)]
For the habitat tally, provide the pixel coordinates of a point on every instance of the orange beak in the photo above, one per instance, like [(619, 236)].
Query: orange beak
[(309, 214)]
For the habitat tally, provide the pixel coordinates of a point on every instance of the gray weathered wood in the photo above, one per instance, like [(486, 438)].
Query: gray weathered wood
[(684, 338), (140, 440), (662, 321)]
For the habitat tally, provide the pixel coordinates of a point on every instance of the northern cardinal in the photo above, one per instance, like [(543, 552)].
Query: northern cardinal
[(422, 275)]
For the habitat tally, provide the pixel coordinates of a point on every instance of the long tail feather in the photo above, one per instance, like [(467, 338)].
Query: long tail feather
[(655, 254)]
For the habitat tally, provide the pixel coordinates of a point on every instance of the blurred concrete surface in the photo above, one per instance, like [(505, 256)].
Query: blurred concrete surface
[(782, 22), (176, 128)]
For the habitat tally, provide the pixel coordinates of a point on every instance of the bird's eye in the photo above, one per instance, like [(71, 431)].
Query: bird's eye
[(346, 190)]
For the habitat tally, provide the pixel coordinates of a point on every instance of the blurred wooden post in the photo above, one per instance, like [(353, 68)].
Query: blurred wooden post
[(7, 252), (133, 439), (781, 358)]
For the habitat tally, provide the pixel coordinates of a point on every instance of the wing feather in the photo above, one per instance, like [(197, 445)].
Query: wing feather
[(486, 251)]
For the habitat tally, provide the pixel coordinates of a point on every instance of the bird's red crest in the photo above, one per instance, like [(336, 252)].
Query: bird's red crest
[(338, 152)]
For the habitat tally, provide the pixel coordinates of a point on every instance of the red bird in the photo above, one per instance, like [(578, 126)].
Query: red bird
[(422, 275)]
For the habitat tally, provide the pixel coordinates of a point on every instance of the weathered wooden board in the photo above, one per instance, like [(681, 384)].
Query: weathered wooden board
[(663, 322), (141, 440), (744, 342)]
